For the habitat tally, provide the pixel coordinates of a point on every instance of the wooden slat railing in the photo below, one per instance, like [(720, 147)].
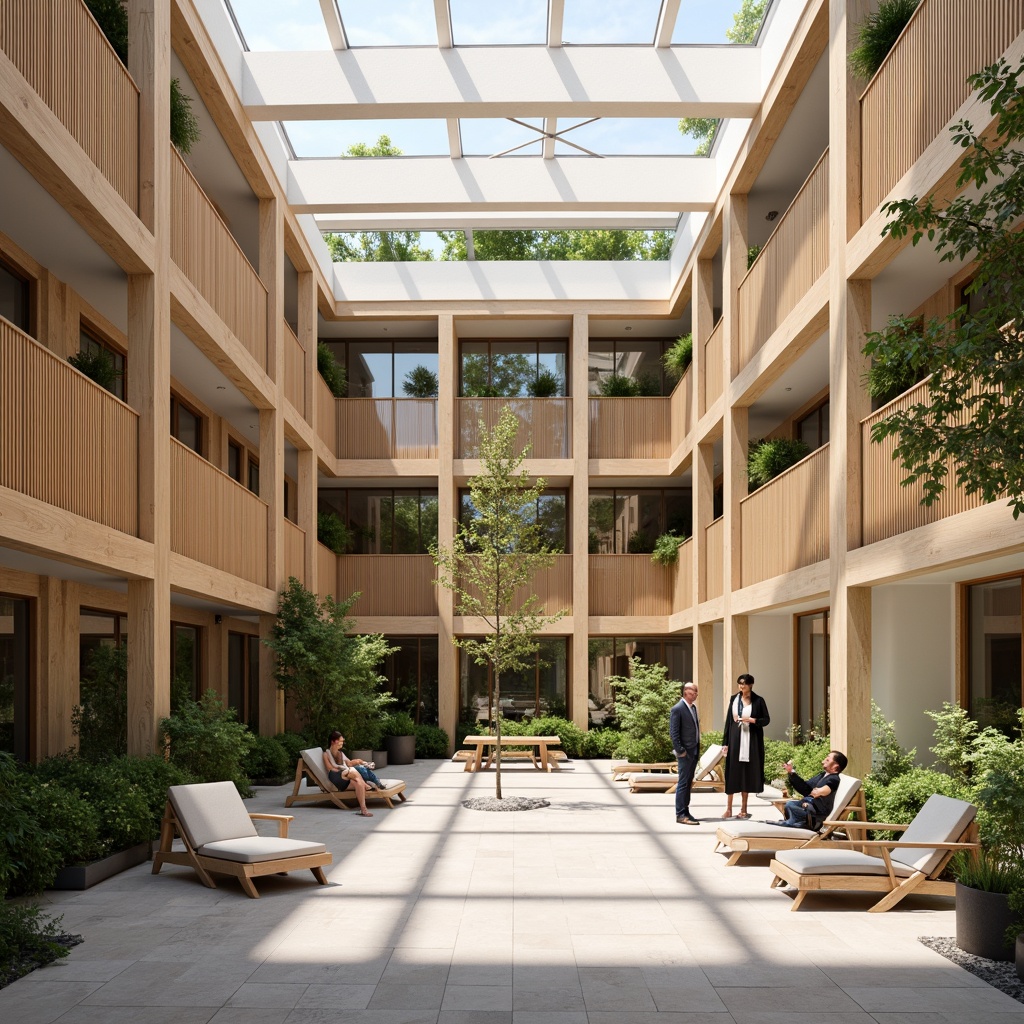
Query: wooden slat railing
[(922, 83), (386, 428), (791, 261), (294, 551), (889, 508), (389, 584), (681, 409), (682, 596), (544, 423), (208, 255), (629, 585), (64, 439), (65, 57), (294, 371), (784, 524), (552, 585), (714, 558), (714, 366), (630, 428), (326, 571), (214, 519), (326, 417)]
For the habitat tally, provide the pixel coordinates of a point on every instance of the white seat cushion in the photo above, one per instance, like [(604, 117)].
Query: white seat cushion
[(210, 811), (657, 778), (254, 849), (820, 861), (761, 830)]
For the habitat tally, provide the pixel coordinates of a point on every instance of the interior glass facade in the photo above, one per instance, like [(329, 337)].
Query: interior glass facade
[(412, 676), (994, 637), (609, 656), (15, 644), (538, 690)]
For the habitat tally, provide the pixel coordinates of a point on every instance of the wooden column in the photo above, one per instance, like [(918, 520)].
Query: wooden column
[(703, 323), (57, 692), (447, 654), (149, 383), (579, 672), (307, 482)]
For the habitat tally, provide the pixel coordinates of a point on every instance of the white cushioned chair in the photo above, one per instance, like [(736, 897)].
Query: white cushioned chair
[(311, 766), (912, 863), (220, 838), (706, 776)]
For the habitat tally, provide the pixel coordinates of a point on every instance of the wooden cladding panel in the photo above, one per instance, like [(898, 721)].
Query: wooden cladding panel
[(714, 537), (553, 586), (889, 508), (922, 83), (214, 519), (389, 584), (326, 571), (294, 371), (630, 428), (630, 585), (65, 57), (791, 261), (294, 551), (681, 409), (386, 428), (683, 594), (326, 418), (714, 366), (207, 253), (544, 423), (64, 439), (784, 524)]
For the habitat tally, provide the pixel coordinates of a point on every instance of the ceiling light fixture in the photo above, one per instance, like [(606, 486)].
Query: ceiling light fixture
[(771, 215), (627, 328)]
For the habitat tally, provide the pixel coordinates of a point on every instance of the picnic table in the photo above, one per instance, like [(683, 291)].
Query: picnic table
[(542, 758)]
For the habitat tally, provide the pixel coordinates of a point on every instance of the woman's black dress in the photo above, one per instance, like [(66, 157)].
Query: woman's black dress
[(745, 776)]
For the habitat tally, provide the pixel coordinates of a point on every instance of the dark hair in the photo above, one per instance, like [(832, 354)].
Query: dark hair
[(334, 736), (745, 678), (840, 759)]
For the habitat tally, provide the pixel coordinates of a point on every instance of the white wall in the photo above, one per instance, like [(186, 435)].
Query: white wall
[(913, 629), (771, 665)]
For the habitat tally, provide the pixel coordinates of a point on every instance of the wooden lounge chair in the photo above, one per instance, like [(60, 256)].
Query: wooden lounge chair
[(706, 776), (742, 837), (311, 767), (220, 839), (621, 770), (912, 863)]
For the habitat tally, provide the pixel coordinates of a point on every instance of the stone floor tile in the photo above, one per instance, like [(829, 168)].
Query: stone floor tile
[(339, 997), (406, 997), (42, 1002), (945, 1000), (477, 997), (259, 995)]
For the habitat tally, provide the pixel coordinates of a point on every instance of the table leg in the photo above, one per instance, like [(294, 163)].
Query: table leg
[(544, 756)]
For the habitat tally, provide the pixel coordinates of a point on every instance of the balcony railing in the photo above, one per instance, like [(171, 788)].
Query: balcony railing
[(386, 428), (326, 418), (553, 586), (630, 428), (544, 424), (208, 255), (294, 371), (294, 551), (784, 524), (922, 83), (389, 584), (681, 409), (65, 57), (326, 571), (791, 261), (714, 558), (214, 519), (683, 593), (889, 508), (630, 585), (714, 366), (63, 439)]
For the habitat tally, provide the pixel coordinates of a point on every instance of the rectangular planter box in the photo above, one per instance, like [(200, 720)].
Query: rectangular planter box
[(83, 876)]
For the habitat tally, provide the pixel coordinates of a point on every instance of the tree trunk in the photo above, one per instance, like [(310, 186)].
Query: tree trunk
[(497, 730)]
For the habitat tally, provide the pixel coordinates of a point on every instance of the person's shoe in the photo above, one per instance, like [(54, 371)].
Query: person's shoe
[(685, 819)]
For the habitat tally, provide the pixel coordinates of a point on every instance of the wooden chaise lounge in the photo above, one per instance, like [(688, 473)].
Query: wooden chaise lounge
[(706, 776), (311, 767)]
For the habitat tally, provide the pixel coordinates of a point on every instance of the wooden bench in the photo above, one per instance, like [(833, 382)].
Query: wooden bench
[(542, 758)]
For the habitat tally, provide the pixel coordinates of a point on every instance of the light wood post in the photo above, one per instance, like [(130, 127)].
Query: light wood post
[(307, 482), (703, 324), (447, 654), (579, 673), (57, 692)]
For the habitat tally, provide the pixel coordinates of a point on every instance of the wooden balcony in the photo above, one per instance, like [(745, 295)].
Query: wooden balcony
[(630, 585), (326, 572), (64, 439), (552, 585), (683, 593), (386, 428), (326, 417), (714, 366), (923, 81), (389, 584), (545, 424), (294, 550), (630, 428), (784, 524), (681, 411), (294, 371), (889, 508), (67, 60), (208, 255), (793, 258), (714, 558), (214, 519)]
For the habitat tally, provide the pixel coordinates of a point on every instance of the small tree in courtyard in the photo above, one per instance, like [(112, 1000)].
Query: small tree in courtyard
[(493, 559)]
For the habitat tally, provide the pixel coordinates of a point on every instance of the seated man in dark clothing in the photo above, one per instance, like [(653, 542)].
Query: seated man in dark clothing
[(819, 793)]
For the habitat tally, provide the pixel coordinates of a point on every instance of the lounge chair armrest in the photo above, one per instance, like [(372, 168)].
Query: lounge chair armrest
[(880, 825), (281, 819), (896, 844)]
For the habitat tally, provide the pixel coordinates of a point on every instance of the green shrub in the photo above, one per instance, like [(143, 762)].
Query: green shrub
[(29, 940), (678, 356), (767, 459), (331, 370), (293, 745), (71, 818), (399, 723), (776, 754), (709, 738), (431, 741), (100, 721), (807, 757), (545, 385), (332, 532), (600, 742), (955, 736), (420, 382), (902, 798), (268, 760), (98, 366), (888, 759), (666, 549), (552, 725), (643, 385), (643, 703), (205, 740), (877, 35), (30, 855), (185, 131), (151, 776), (753, 251), (112, 18), (886, 379), (464, 729), (640, 542)]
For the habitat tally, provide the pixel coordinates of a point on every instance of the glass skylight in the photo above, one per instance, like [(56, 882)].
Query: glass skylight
[(394, 23), (509, 23), (611, 136), (414, 137), (485, 136), (281, 24), (705, 21), (605, 21)]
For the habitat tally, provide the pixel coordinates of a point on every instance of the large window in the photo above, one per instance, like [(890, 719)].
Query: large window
[(513, 369), (412, 676), (532, 692), (89, 343), (812, 429), (15, 644), (994, 637), (550, 512), (186, 679), (638, 360), (385, 369), (629, 522), (609, 656), (186, 425), (14, 297), (385, 521), (812, 682), (96, 628), (244, 677)]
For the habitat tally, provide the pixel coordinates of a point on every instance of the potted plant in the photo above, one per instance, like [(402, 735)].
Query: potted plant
[(767, 459), (678, 356), (666, 549), (331, 370), (545, 385), (986, 924), (332, 532), (400, 738)]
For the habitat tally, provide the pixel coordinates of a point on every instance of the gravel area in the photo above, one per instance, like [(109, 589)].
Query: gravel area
[(20, 965), (509, 803), (1000, 974)]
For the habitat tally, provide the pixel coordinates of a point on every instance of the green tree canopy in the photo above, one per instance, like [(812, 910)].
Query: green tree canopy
[(568, 244)]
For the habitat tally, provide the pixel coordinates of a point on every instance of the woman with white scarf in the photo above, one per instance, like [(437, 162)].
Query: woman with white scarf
[(743, 744)]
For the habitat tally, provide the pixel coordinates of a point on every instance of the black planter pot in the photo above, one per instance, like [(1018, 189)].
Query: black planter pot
[(981, 922), (84, 876), (401, 749), (1019, 957)]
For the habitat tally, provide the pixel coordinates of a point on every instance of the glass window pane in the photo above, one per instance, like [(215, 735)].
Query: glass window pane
[(601, 523), (15, 644), (553, 357), (428, 521), (369, 515), (824, 414), (418, 357), (679, 658), (513, 368), (600, 665), (641, 361), (188, 432), (475, 691), (475, 370), (14, 303), (551, 516), (236, 673), (650, 523), (679, 512), (185, 682), (407, 524), (369, 369), (994, 652), (253, 665), (553, 675), (600, 364)]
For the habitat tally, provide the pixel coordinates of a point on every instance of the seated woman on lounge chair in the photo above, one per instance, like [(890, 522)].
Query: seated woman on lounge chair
[(342, 771)]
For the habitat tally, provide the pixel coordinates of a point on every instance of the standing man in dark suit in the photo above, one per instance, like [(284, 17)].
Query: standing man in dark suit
[(684, 728)]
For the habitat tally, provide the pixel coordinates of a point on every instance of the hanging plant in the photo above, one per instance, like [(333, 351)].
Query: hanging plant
[(678, 356)]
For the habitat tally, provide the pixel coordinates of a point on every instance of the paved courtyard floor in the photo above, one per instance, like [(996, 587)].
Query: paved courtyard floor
[(599, 909)]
